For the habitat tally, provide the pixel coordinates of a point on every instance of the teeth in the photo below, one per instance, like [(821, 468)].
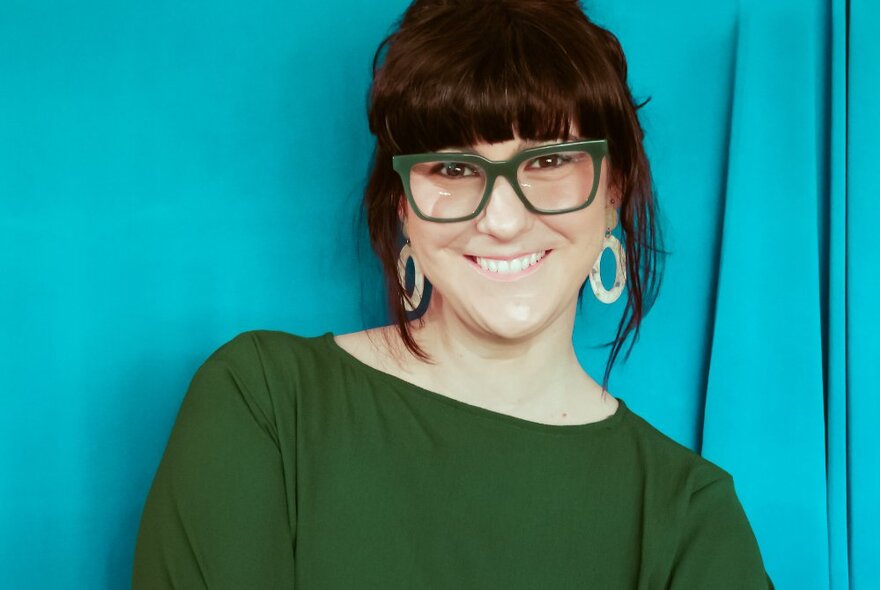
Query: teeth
[(510, 266)]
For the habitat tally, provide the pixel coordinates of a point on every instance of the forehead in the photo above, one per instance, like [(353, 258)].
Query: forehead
[(510, 146), (516, 142)]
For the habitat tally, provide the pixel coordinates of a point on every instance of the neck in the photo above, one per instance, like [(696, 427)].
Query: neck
[(520, 369)]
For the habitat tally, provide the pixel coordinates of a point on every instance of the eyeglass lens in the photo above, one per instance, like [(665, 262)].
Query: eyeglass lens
[(446, 189)]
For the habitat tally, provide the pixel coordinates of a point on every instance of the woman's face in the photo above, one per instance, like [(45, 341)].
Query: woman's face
[(509, 306)]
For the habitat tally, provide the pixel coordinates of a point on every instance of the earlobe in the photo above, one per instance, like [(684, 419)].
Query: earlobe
[(614, 199)]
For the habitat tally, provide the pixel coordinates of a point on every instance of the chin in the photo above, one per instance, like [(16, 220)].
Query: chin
[(512, 327)]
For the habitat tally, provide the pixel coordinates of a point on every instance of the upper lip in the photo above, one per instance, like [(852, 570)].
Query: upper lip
[(506, 257)]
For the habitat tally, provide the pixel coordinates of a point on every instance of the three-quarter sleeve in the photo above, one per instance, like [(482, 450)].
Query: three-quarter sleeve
[(717, 547), (216, 515)]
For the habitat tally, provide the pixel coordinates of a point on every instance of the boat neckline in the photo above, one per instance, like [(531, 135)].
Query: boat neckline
[(565, 429)]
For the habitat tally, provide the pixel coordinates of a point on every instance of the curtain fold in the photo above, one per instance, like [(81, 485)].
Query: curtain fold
[(856, 462), (791, 403)]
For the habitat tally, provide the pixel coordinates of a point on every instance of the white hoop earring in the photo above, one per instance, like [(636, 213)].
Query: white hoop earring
[(602, 294), (411, 301)]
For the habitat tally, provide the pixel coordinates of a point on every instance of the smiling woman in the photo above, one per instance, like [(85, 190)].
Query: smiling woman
[(471, 450), (540, 73)]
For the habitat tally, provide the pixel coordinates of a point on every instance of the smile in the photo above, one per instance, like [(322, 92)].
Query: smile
[(508, 270)]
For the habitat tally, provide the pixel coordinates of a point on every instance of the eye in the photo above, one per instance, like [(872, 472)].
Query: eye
[(549, 161), (454, 169)]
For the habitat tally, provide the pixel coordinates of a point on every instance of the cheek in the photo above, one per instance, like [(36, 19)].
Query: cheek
[(430, 241), (583, 228), (584, 234)]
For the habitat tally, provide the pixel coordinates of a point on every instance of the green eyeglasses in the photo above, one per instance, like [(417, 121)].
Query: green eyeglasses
[(548, 179)]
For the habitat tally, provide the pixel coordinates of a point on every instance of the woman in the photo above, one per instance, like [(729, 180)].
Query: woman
[(462, 446)]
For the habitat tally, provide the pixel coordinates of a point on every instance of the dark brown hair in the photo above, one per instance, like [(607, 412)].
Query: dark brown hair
[(458, 72)]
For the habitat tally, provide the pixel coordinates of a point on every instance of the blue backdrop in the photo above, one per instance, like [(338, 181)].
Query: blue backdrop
[(174, 173)]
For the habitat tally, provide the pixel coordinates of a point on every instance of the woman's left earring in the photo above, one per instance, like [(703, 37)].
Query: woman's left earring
[(411, 301), (612, 243)]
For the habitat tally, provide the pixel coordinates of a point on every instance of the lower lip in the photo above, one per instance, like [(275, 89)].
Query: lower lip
[(509, 276)]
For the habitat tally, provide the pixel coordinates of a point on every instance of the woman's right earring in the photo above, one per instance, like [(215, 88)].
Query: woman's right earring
[(411, 301), (611, 242)]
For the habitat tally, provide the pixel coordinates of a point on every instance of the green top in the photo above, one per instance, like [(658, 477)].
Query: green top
[(292, 464)]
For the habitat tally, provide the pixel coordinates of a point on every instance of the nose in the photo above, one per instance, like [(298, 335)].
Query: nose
[(505, 215)]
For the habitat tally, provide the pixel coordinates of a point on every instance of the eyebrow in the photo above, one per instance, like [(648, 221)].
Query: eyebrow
[(525, 144)]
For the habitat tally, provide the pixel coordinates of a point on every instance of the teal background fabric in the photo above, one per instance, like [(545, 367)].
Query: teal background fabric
[(173, 174)]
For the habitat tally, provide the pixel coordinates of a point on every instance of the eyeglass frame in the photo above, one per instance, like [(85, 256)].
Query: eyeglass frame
[(597, 148)]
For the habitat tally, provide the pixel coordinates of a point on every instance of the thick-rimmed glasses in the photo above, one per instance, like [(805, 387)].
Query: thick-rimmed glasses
[(548, 179)]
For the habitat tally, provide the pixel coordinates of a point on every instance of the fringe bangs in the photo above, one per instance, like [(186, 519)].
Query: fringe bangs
[(494, 77)]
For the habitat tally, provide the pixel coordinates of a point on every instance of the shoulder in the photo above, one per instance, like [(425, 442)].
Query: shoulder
[(686, 470), (290, 357), (261, 371), (682, 489), (248, 342), (261, 349), (267, 363)]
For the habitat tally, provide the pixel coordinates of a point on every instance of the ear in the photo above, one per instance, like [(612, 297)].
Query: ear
[(613, 198), (401, 211)]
